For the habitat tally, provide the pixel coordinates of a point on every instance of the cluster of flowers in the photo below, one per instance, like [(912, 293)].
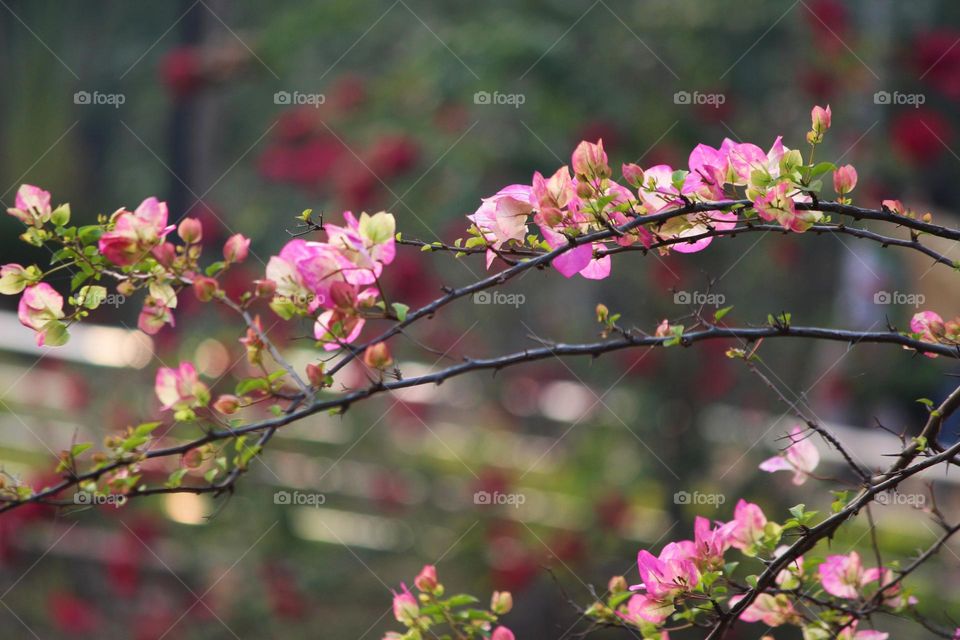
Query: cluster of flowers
[(430, 608), (928, 326), (131, 246), (340, 276), (690, 577), (566, 205)]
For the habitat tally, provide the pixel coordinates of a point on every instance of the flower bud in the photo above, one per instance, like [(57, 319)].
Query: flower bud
[(501, 602), (820, 119), (227, 404), (165, 253), (927, 217), (633, 174), (617, 584), (236, 248), (190, 230), (602, 312), (204, 288), (426, 580), (844, 179), (502, 633), (315, 374), (126, 288), (265, 288), (405, 607), (377, 356), (590, 159)]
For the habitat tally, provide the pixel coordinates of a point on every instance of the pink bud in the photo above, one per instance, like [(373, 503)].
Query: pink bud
[(377, 356), (844, 179), (426, 580), (165, 253), (190, 230), (502, 633), (633, 174), (590, 159), (820, 119), (227, 404), (405, 607), (315, 374), (501, 602), (265, 288), (204, 288), (236, 248)]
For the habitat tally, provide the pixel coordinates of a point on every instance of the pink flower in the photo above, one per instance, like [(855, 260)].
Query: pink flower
[(154, 315), (40, 309), (747, 525), (405, 607), (32, 205), (744, 158), (801, 457), (842, 576), (590, 160), (551, 196), (503, 216), (303, 274), (928, 324), (502, 633), (190, 230), (771, 610), (844, 179), (580, 259), (709, 542), (367, 244), (180, 388), (236, 248), (135, 234), (642, 607), (852, 633), (777, 205), (666, 576)]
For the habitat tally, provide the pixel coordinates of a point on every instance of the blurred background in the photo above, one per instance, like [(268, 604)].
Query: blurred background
[(245, 113)]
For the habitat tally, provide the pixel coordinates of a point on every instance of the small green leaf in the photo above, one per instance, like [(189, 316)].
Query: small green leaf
[(720, 313), (400, 310)]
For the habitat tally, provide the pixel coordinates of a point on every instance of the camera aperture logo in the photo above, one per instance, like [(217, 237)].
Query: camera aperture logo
[(87, 499), (97, 98), (698, 498), (498, 297), (297, 498), (488, 498), (511, 99), (299, 98)]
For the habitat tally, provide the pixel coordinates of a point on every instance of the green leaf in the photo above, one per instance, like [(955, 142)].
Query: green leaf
[(400, 310), (215, 268), (175, 478), (90, 233), (720, 313), (251, 384), (91, 296), (145, 428), (460, 600), (79, 448)]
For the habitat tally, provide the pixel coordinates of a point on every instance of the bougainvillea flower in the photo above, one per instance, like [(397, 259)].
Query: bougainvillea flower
[(775, 204), (14, 279), (303, 274), (135, 234), (367, 244), (32, 205), (154, 315), (842, 576), (405, 607), (580, 259), (747, 525), (666, 576), (801, 457), (642, 607), (503, 216), (40, 309), (771, 610), (180, 388)]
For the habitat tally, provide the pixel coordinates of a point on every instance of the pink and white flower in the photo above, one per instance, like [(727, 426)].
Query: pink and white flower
[(405, 607), (367, 245), (748, 525), (769, 609), (503, 216), (40, 309), (181, 388), (801, 457), (32, 205), (135, 235)]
